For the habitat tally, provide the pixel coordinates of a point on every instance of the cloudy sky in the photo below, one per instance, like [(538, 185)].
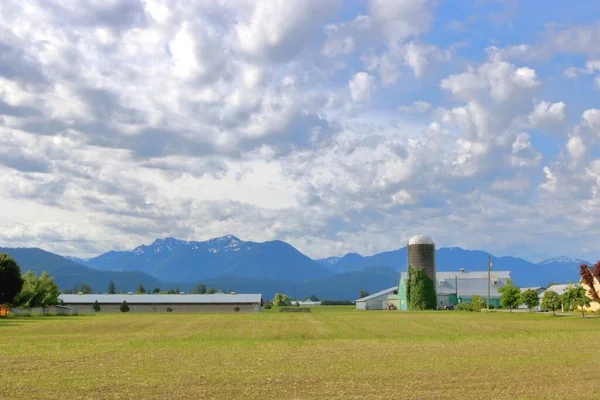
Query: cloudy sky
[(334, 125)]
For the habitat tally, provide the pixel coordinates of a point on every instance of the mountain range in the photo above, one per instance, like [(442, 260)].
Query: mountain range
[(229, 263)]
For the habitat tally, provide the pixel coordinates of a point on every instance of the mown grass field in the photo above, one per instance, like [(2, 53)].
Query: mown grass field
[(331, 353)]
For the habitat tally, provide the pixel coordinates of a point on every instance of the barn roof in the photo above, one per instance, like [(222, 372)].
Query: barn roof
[(382, 293), (161, 298)]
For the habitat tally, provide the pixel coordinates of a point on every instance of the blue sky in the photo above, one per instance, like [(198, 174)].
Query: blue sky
[(338, 126)]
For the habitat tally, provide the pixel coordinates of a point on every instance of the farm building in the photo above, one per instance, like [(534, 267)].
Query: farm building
[(451, 287), (161, 302), (376, 301)]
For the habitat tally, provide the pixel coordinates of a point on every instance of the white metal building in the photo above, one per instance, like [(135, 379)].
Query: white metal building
[(376, 301), (218, 302)]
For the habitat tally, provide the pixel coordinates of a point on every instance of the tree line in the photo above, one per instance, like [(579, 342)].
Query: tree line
[(28, 290)]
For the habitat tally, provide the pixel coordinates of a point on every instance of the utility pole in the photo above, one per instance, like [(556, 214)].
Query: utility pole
[(489, 280)]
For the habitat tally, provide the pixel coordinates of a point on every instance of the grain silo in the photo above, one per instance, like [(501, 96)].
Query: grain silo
[(421, 255)]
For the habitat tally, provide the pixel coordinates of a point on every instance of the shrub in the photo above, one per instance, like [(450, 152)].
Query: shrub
[(124, 307), (464, 307), (236, 309), (267, 307), (169, 309)]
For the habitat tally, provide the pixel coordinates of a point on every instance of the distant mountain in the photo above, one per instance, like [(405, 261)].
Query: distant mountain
[(564, 260), (175, 260), (344, 286), (68, 273), (524, 273)]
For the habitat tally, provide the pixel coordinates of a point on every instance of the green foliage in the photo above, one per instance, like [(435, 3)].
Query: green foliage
[(96, 306), (169, 309), (420, 290), (211, 290), (312, 297), (463, 307), (82, 287), (199, 289), (124, 307), (577, 296), (236, 308), (297, 304), (267, 306), (530, 298), (37, 292), (140, 289), (11, 281), (510, 295), (477, 303), (111, 287), (280, 300), (551, 301), (362, 293), (156, 290)]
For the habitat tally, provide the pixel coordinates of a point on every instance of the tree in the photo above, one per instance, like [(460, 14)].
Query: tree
[(124, 307), (312, 297), (156, 290), (477, 303), (551, 300), (281, 300), (199, 289), (83, 288), (111, 288), (420, 290), (510, 295), (577, 296), (211, 290), (297, 304), (38, 292), (530, 298), (362, 293), (177, 290), (11, 280), (96, 306), (140, 289)]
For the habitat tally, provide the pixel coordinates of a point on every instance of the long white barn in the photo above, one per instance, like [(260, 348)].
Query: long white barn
[(218, 302)]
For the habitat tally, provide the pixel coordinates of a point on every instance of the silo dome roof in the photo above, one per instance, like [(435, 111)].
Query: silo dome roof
[(420, 239)]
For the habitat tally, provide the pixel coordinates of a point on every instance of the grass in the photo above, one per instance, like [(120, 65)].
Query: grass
[(330, 353)]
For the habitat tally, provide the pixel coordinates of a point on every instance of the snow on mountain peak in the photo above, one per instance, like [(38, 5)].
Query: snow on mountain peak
[(564, 260)]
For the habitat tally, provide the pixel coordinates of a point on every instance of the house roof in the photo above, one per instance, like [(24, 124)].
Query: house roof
[(161, 298), (382, 293), (559, 289), (469, 283)]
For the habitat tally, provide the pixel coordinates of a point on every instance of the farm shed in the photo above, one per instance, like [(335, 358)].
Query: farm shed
[(376, 301), (218, 302)]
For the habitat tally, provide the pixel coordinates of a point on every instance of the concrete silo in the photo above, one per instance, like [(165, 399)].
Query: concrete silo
[(421, 255)]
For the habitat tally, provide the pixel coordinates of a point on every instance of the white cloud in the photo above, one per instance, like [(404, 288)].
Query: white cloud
[(418, 106), (548, 117), (361, 86)]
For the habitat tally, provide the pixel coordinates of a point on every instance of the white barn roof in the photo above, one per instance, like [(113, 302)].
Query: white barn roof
[(161, 298), (382, 293)]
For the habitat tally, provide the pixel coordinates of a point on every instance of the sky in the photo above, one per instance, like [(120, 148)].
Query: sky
[(337, 126)]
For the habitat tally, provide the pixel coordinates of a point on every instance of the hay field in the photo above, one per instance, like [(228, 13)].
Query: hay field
[(331, 353)]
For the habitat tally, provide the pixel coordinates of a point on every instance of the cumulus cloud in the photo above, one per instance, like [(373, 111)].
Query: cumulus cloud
[(124, 121), (418, 106), (361, 86)]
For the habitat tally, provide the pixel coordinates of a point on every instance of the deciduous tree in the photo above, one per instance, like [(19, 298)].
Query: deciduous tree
[(510, 295), (11, 280), (551, 300), (477, 303), (37, 292), (530, 298), (281, 300), (578, 297), (96, 306)]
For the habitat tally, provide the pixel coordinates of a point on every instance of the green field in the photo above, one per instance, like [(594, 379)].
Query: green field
[(330, 353)]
